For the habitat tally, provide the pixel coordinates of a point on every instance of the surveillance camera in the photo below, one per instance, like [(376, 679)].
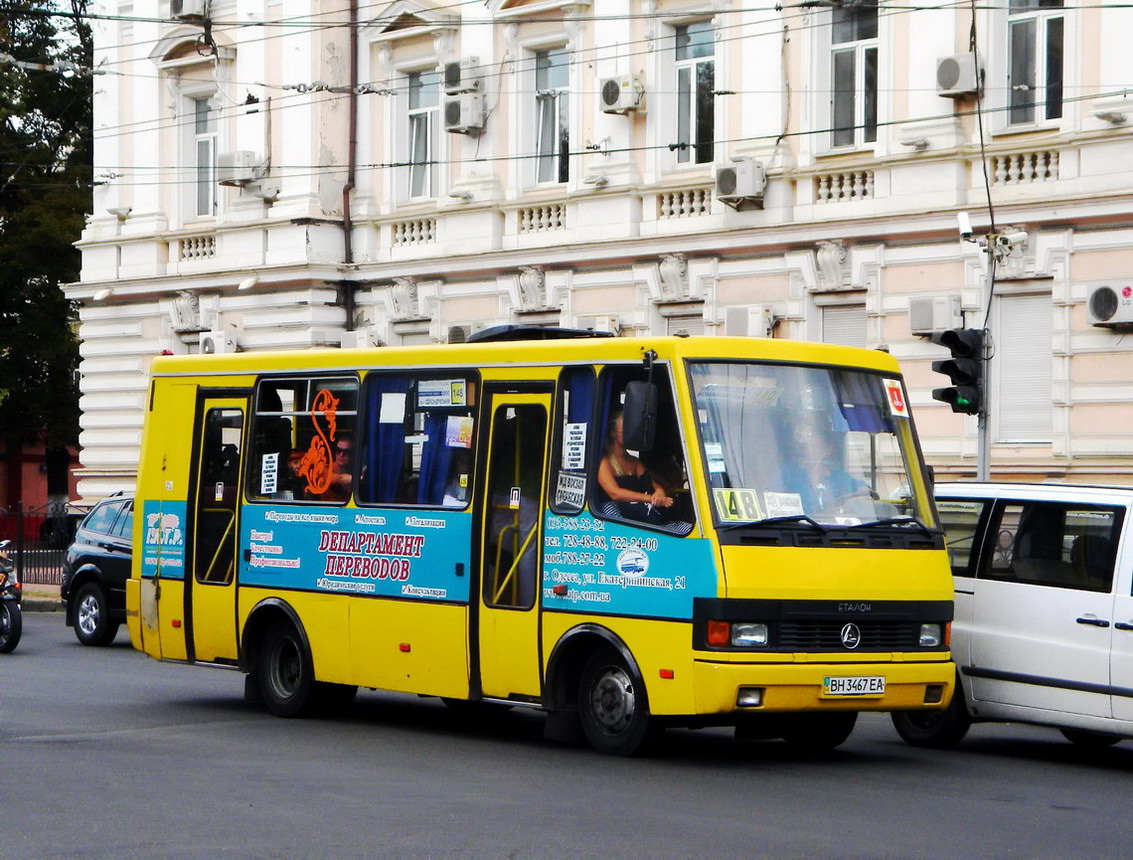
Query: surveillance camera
[(965, 225), (1011, 238)]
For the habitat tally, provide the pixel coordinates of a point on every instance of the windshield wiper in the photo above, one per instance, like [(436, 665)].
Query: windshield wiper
[(774, 521), (895, 521)]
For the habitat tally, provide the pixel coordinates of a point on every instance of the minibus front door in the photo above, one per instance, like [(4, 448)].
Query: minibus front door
[(511, 545), (210, 593)]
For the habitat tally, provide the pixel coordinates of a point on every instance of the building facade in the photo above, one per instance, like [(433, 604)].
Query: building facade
[(306, 174)]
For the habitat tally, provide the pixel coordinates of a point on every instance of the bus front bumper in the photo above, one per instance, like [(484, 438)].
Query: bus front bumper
[(814, 686)]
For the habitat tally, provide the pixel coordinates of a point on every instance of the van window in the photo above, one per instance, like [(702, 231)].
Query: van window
[(960, 519), (1056, 544)]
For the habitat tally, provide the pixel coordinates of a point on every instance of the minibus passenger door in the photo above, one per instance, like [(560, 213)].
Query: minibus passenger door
[(511, 546), (210, 593)]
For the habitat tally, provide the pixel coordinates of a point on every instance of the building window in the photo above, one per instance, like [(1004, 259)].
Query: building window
[(696, 83), (552, 146), (423, 107), (204, 154), (1034, 46), (853, 75)]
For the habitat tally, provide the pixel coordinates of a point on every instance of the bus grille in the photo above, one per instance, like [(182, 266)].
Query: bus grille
[(807, 636)]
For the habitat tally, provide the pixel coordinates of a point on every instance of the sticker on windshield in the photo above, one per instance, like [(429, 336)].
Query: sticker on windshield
[(896, 395), (734, 504), (783, 504)]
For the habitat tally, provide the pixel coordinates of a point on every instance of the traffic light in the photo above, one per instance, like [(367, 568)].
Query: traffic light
[(965, 369)]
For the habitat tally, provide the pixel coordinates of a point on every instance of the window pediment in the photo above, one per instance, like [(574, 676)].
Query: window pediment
[(513, 8), (183, 46), (407, 18)]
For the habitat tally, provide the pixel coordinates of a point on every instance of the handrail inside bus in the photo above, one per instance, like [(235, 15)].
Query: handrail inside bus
[(220, 543), (518, 555)]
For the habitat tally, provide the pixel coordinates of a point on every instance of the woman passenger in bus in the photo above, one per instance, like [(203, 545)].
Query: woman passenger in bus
[(341, 472), (628, 484)]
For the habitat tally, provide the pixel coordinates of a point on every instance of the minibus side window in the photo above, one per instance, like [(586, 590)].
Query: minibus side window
[(418, 440), (573, 419), (661, 468), (303, 439)]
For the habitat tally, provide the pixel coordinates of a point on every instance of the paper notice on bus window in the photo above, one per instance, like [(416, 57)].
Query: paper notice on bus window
[(574, 445), (458, 432), (441, 393), (393, 408), (715, 453), (570, 491), (737, 504), (783, 504), (269, 473)]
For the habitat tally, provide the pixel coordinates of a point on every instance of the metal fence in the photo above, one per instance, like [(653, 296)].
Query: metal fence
[(40, 538)]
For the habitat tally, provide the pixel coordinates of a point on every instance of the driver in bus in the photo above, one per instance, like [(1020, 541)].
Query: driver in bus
[(628, 484), (818, 476)]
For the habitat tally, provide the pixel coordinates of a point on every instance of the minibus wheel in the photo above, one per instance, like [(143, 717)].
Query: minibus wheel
[(285, 671), (613, 707), (935, 729)]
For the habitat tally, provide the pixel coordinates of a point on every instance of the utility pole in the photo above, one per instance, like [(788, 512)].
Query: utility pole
[(972, 348)]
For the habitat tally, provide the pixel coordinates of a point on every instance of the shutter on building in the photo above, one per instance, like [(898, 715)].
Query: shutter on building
[(844, 324), (1022, 370)]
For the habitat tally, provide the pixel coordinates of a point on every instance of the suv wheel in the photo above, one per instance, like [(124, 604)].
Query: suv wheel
[(92, 619)]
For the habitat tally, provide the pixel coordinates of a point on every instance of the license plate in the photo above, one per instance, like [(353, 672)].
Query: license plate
[(870, 685)]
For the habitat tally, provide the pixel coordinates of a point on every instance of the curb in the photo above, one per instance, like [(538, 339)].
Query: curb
[(42, 604)]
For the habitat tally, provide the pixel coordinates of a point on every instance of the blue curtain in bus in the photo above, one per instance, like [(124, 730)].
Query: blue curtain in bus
[(580, 385), (436, 459), (862, 401), (385, 453)]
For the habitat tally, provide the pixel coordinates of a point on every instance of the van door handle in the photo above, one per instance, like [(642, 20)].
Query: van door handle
[(1122, 625), (1094, 622)]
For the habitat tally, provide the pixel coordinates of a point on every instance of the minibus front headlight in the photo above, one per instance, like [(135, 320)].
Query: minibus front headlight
[(749, 635), (931, 636)]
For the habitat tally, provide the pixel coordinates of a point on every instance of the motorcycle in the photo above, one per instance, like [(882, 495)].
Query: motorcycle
[(11, 612)]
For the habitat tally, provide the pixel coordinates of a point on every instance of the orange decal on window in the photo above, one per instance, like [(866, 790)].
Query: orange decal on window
[(317, 464)]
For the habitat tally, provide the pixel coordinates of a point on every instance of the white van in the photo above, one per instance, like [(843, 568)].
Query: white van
[(1043, 630)]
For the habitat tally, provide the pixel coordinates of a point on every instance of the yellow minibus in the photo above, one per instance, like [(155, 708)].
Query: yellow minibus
[(625, 533)]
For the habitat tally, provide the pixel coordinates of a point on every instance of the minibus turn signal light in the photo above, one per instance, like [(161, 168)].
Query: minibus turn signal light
[(719, 633)]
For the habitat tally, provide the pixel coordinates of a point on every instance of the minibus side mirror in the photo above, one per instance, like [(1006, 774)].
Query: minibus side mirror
[(639, 416)]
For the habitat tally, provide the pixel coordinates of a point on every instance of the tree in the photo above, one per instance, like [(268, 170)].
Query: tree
[(46, 52)]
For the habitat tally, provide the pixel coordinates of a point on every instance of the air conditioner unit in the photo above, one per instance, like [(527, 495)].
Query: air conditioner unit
[(189, 10), (464, 113), (237, 168), (928, 314), (461, 76), (1110, 306), (741, 184), (216, 342), (748, 321), (621, 94), (361, 339), (958, 75), (601, 322)]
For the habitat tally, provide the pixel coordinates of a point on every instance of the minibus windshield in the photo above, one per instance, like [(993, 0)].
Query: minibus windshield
[(805, 446)]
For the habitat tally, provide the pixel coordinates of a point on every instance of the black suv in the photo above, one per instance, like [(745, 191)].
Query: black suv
[(96, 568)]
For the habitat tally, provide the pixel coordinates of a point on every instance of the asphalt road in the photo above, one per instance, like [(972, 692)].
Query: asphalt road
[(105, 753)]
